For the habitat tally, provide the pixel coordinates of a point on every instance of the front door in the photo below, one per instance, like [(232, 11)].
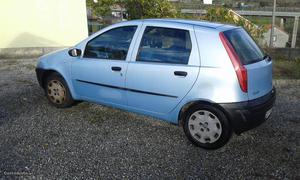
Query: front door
[(99, 75)]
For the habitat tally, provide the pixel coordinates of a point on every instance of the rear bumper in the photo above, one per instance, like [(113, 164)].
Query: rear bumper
[(248, 115)]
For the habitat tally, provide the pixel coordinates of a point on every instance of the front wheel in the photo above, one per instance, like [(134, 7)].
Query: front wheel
[(206, 126), (57, 91)]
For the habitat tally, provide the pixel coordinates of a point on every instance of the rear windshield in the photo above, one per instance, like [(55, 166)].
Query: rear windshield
[(245, 47)]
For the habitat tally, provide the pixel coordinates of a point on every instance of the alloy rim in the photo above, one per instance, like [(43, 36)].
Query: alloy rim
[(204, 126)]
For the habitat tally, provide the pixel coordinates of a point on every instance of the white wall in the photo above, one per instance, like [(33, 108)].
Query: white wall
[(42, 23)]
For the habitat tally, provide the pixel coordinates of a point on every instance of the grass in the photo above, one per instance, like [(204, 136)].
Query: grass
[(258, 20), (284, 69)]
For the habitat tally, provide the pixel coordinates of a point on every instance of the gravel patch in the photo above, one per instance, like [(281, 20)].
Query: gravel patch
[(97, 142)]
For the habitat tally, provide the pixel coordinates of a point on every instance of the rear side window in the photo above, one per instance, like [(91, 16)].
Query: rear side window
[(245, 47), (113, 44), (165, 45)]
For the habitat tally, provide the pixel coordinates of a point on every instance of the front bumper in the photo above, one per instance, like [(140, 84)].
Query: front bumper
[(250, 114)]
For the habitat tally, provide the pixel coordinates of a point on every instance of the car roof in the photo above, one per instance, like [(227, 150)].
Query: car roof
[(203, 24)]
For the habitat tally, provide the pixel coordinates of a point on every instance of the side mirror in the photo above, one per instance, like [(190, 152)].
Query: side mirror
[(74, 52)]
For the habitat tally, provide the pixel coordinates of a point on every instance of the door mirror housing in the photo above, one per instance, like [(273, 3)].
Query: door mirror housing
[(74, 52)]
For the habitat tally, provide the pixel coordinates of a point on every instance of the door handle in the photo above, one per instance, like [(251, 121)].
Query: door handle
[(116, 68), (180, 73)]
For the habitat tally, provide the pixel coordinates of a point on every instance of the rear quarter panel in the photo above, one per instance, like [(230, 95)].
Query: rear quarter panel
[(217, 81)]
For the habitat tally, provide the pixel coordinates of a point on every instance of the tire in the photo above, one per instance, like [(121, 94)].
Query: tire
[(57, 91), (206, 126)]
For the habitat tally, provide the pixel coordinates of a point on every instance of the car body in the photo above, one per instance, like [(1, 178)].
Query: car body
[(166, 67)]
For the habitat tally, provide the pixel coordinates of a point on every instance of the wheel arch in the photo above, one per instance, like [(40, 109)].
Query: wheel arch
[(47, 72), (190, 104)]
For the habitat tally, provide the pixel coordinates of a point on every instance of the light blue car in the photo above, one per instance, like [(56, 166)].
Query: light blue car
[(210, 78)]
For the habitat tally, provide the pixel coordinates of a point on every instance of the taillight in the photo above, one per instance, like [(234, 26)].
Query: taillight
[(240, 70)]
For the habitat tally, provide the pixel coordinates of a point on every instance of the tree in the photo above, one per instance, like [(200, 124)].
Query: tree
[(223, 15), (136, 9), (100, 7), (139, 9)]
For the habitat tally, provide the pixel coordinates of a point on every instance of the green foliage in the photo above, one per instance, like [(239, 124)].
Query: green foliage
[(219, 15), (101, 7), (139, 9), (136, 9), (286, 69), (223, 15)]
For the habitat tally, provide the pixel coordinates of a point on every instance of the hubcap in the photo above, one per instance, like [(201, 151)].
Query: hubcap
[(204, 126), (56, 92)]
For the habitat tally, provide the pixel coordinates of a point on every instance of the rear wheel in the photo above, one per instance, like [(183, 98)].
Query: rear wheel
[(57, 91), (206, 126)]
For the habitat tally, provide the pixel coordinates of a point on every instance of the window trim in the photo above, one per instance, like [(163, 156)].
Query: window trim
[(83, 54), (154, 62)]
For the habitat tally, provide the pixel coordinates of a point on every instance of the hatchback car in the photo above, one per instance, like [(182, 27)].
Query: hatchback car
[(210, 78)]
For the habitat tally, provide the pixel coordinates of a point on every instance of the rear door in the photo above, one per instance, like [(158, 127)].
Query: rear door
[(259, 66), (163, 69)]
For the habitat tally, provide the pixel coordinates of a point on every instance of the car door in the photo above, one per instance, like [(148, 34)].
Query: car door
[(99, 75), (164, 67)]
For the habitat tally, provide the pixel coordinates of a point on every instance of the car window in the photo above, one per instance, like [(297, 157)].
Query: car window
[(113, 44), (165, 45), (245, 47)]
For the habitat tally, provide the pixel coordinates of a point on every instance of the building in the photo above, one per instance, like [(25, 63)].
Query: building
[(281, 38), (42, 23)]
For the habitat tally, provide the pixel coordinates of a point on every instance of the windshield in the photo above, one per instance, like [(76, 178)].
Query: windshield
[(245, 47)]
